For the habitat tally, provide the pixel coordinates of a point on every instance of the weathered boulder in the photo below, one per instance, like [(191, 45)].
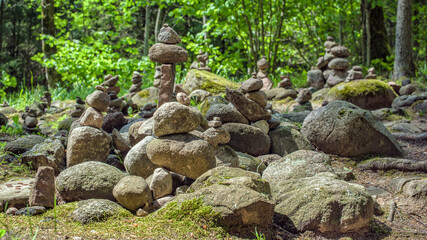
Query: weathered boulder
[(48, 153), (344, 129), (98, 100), (23, 144), (226, 156), (173, 117), (42, 192), (167, 53), (87, 144), (92, 118), (299, 164), (161, 183), (113, 120), (241, 197), (315, 79), (247, 139), (137, 162), (339, 63), (226, 113), (148, 95), (15, 193), (285, 140), (250, 109), (249, 163), (185, 154), (96, 210), (367, 94), (88, 180), (133, 192), (214, 84), (322, 203), (280, 93)]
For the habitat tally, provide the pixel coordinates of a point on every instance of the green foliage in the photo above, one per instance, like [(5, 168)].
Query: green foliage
[(6, 81), (14, 128)]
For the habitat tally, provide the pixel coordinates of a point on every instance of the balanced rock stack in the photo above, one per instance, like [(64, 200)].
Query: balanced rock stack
[(354, 74), (262, 73), (89, 142), (176, 147), (79, 108), (216, 134), (249, 100), (168, 54), (46, 100), (30, 118), (315, 78), (338, 65), (203, 58), (148, 110), (136, 84), (285, 83), (371, 74), (109, 84), (303, 101), (116, 104)]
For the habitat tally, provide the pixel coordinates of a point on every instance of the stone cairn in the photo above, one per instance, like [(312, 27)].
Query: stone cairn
[(285, 83), (30, 119), (79, 108), (331, 67), (303, 101), (148, 110), (116, 103), (203, 58), (371, 74), (109, 84), (354, 74), (262, 73), (136, 84), (46, 100), (168, 54), (98, 102)]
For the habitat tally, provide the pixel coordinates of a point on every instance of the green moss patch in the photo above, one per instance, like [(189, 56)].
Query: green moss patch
[(207, 81), (359, 88)]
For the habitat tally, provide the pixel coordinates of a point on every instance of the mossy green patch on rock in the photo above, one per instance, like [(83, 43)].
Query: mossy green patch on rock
[(367, 94), (207, 81)]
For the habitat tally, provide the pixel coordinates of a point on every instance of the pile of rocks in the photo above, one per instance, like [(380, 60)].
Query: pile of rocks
[(109, 84), (136, 84), (203, 58), (89, 142), (30, 118), (354, 74), (168, 54), (46, 100), (116, 104), (262, 73), (371, 74)]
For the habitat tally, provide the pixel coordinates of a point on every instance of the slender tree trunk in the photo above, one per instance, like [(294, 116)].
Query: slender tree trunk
[(403, 50), (363, 13), (368, 36), (251, 38), (156, 28), (1, 25), (147, 28), (48, 28)]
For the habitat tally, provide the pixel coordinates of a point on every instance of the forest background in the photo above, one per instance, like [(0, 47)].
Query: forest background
[(78, 42)]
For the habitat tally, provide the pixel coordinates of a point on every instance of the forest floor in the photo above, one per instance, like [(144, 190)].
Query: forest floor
[(410, 221)]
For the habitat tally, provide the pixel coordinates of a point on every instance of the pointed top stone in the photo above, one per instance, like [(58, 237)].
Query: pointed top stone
[(168, 35)]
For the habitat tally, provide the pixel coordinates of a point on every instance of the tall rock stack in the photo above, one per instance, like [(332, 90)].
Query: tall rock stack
[(136, 84), (79, 108), (203, 58), (168, 54), (338, 65), (30, 119), (89, 142), (262, 73), (249, 100), (109, 84), (116, 103)]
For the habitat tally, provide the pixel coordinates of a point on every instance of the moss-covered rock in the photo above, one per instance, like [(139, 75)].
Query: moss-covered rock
[(207, 81), (95, 210), (148, 95), (283, 105), (367, 94), (322, 203)]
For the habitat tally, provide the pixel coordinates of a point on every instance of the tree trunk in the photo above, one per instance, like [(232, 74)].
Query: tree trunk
[(403, 48), (147, 28), (48, 28), (1, 25), (156, 28), (368, 36)]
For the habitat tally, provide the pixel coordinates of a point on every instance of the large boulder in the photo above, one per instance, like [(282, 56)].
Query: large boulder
[(281, 93), (367, 94), (173, 117), (285, 140), (137, 162), (88, 180), (322, 203), (23, 144), (226, 113), (133, 192), (247, 139), (87, 144), (299, 164), (226, 156), (250, 109), (214, 84), (48, 153), (96, 210), (185, 154), (249, 163), (114, 120), (148, 95), (344, 129), (242, 198)]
